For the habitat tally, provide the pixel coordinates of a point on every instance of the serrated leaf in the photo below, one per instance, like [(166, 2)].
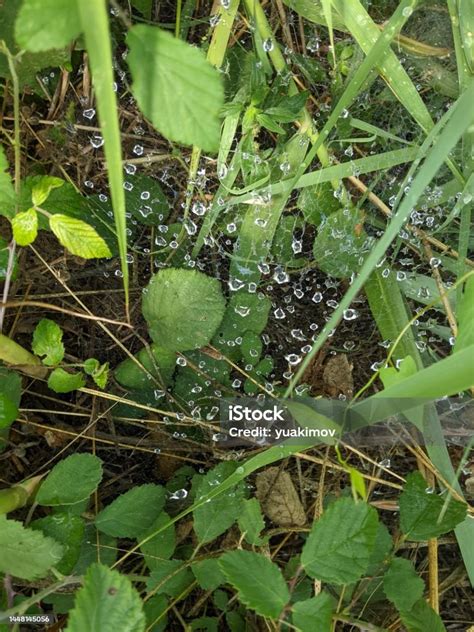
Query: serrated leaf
[(421, 618), (45, 24), (401, 584), (162, 546), (26, 553), (314, 614), (183, 308), (78, 237), (208, 574), (43, 188), (259, 581), (340, 544), (175, 87), (25, 227), (47, 342), (60, 381), (10, 395), (424, 514), (70, 481), (170, 577), (251, 521), (132, 513), (68, 531), (213, 518), (159, 362), (96, 547), (107, 602)]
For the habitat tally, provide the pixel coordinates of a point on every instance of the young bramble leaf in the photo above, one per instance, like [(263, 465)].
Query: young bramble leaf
[(132, 513), (26, 553), (314, 614), (175, 87), (183, 308), (25, 227), (68, 531), (43, 188), (107, 602), (340, 544), (421, 617), (72, 480), (47, 342), (251, 521), (402, 585), (162, 546), (425, 515), (170, 577), (60, 381), (208, 574), (259, 581), (78, 237), (45, 24)]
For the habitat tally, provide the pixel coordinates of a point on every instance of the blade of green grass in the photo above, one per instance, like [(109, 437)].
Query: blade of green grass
[(95, 24)]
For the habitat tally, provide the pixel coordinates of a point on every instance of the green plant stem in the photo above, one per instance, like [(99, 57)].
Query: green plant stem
[(177, 26)]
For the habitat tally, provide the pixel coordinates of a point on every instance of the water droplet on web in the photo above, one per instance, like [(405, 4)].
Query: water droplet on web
[(407, 11), (401, 276), (281, 276), (349, 345), (435, 262), (190, 227), (179, 494), (231, 228), (350, 314), (260, 222), (181, 361), (298, 334), (198, 208), (222, 171), (89, 113), (130, 169), (279, 313), (138, 150), (293, 359), (285, 167), (242, 310), (385, 463), (268, 45), (96, 141), (145, 195), (264, 268), (128, 186), (317, 297)]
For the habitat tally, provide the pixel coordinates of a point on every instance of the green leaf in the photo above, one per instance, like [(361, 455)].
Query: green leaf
[(60, 381), (96, 547), (26, 553), (208, 574), (107, 602), (269, 123), (47, 341), (25, 227), (70, 481), (45, 24), (10, 395), (7, 192), (424, 514), (316, 201), (132, 513), (170, 577), (162, 546), (183, 308), (212, 519), (43, 188), (390, 375), (314, 614), (155, 611), (341, 244), (251, 521), (340, 544), (421, 618), (98, 372), (465, 317), (78, 237), (68, 531), (175, 87), (401, 584), (259, 581), (159, 362), (144, 6)]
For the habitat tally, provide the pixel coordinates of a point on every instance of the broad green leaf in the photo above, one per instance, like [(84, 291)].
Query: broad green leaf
[(43, 188), (317, 200), (60, 381), (424, 514), (340, 544), (68, 531), (107, 602), (465, 317), (162, 546), (78, 237), (26, 553), (183, 308), (390, 375), (382, 547), (160, 364), (421, 618), (70, 481), (259, 581), (96, 547), (314, 614), (401, 584), (10, 395), (341, 244), (155, 610), (132, 513), (25, 227), (45, 24), (47, 342), (208, 574), (212, 519), (251, 521), (175, 87), (170, 577), (7, 193)]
